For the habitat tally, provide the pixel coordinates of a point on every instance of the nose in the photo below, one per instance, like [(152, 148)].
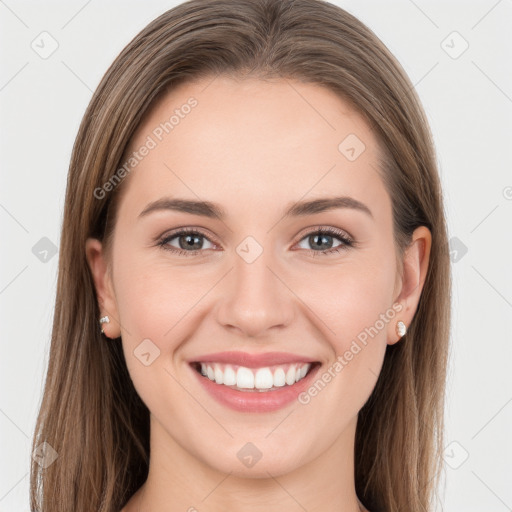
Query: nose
[(255, 298)]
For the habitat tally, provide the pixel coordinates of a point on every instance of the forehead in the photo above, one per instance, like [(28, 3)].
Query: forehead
[(258, 142)]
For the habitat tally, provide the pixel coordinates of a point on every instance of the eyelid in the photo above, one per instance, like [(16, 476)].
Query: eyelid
[(186, 229), (343, 236), (323, 228)]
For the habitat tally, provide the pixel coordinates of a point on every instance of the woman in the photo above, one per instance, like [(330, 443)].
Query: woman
[(253, 296)]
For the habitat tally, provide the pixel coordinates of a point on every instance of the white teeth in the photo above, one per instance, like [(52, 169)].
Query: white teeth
[(279, 378), (219, 376), (290, 376), (244, 378), (261, 379), (229, 376)]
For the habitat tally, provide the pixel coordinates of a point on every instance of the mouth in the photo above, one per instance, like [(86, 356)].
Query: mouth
[(255, 379)]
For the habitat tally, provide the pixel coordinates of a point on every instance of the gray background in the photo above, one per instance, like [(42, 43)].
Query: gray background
[(467, 95)]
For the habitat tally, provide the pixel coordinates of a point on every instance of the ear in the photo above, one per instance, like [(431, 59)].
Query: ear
[(414, 271), (104, 289)]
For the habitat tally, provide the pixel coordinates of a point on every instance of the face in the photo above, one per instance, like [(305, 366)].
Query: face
[(254, 274)]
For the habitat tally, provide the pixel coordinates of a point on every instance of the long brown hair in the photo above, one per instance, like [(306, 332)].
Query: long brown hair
[(90, 413)]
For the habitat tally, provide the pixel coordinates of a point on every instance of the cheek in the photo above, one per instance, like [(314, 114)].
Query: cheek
[(158, 301), (349, 303), (159, 308), (153, 296), (354, 304), (360, 302), (153, 308), (345, 383), (351, 298)]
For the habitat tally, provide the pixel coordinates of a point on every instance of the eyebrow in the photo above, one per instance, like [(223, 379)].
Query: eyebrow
[(215, 211)]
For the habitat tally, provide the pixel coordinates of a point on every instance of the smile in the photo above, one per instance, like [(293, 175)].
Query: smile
[(267, 378)]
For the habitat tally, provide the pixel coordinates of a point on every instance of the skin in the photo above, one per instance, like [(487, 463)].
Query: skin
[(254, 147)]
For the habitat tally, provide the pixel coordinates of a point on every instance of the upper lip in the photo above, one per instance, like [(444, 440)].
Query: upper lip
[(252, 360)]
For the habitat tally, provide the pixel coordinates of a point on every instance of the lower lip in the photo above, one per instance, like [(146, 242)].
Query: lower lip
[(256, 401)]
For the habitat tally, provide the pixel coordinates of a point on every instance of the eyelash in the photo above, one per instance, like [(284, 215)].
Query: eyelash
[(336, 233)]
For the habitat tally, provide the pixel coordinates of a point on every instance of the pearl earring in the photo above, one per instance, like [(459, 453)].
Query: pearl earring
[(104, 320), (401, 329)]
